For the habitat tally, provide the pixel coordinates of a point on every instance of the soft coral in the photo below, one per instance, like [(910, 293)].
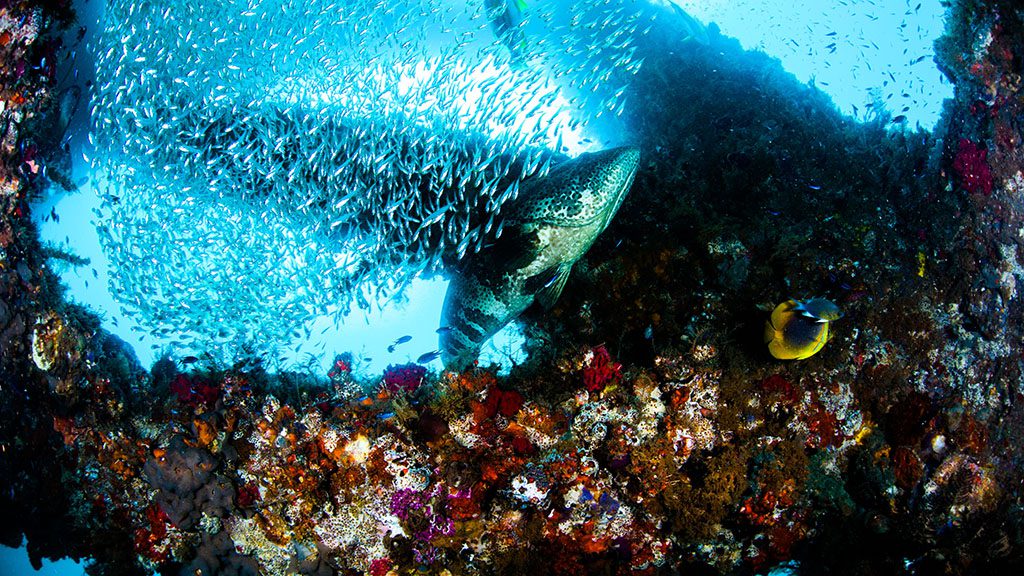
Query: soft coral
[(599, 370), (972, 167), (193, 391)]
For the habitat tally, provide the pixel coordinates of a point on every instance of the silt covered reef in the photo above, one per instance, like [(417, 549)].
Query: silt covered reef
[(650, 431)]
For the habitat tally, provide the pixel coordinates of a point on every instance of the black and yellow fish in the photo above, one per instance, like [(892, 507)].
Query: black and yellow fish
[(799, 329)]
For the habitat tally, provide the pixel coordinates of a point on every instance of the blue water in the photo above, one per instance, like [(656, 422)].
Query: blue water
[(866, 55), (858, 52), (14, 562)]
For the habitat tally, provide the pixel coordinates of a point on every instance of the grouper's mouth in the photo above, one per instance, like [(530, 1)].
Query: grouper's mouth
[(629, 156)]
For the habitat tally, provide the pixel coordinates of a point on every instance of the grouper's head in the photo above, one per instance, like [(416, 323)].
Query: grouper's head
[(582, 190), (553, 223)]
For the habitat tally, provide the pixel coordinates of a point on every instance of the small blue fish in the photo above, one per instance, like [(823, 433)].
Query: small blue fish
[(428, 357), (396, 343)]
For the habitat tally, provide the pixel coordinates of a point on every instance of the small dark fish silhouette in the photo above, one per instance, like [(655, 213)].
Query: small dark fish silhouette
[(189, 360), (401, 340), (428, 357)]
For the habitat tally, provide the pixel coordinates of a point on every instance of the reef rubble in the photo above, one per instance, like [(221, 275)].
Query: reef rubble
[(650, 431)]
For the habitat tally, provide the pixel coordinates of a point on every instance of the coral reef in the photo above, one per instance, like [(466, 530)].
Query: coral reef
[(649, 431), (406, 377)]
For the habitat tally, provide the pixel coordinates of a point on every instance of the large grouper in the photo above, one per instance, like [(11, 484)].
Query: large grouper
[(552, 223)]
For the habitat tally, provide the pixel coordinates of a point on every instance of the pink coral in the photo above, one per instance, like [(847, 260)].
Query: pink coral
[(248, 495), (599, 370), (380, 566), (193, 391), (150, 542), (404, 377), (504, 402), (972, 167), (342, 367)]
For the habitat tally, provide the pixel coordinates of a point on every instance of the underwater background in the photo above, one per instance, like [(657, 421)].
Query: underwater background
[(510, 286), (860, 68)]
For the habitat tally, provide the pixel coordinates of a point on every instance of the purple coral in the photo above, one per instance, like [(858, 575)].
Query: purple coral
[(407, 504), (407, 500)]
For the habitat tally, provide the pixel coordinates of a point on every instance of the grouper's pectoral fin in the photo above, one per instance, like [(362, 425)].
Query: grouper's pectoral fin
[(515, 250), (547, 286), (549, 295)]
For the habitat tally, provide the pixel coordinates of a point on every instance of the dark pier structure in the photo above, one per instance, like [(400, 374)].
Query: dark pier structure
[(650, 431)]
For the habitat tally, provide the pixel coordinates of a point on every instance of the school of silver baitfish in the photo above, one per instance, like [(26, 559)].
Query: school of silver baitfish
[(262, 163)]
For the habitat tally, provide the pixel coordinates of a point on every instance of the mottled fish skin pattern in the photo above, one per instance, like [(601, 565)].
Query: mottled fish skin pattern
[(549, 227)]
